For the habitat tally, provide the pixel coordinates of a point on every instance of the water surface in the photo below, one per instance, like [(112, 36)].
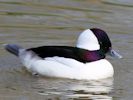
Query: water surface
[(32, 23)]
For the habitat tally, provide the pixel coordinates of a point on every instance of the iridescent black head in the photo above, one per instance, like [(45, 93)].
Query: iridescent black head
[(103, 39), (96, 39)]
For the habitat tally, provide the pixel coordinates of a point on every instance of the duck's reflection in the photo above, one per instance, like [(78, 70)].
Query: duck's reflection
[(93, 89), (73, 89)]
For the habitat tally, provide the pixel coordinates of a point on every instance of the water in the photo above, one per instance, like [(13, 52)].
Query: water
[(32, 23)]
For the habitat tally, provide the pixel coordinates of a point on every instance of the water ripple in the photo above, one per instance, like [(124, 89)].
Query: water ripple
[(118, 3)]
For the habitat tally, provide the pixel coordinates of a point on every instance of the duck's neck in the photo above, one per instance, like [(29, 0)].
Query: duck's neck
[(90, 56)]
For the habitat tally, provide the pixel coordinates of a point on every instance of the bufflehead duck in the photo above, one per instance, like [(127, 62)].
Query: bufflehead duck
[(85, 61)]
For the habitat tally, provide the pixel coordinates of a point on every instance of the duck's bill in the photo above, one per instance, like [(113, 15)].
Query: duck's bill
[(114, 54)]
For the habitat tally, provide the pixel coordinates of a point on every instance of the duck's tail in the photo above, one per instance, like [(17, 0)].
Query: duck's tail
[(13, 48)]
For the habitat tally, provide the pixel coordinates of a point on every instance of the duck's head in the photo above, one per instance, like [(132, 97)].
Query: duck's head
[(96, 39)]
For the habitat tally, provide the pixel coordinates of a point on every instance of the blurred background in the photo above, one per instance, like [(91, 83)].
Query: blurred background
[(33, 23)]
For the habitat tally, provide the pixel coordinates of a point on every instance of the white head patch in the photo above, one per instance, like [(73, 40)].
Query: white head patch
[(87, 40)]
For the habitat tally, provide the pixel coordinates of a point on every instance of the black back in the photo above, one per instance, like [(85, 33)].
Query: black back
[(81, 55)]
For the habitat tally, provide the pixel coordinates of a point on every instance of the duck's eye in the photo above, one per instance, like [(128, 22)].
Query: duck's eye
[(100, 42), (106, 47)]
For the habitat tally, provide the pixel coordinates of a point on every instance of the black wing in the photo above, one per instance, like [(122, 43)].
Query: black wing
[(51, 51), (79, 54)]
